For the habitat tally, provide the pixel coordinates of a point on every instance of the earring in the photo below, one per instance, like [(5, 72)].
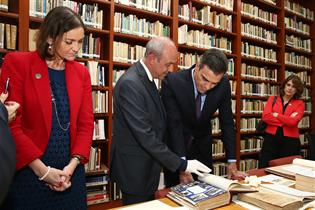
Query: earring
[(50, 47)]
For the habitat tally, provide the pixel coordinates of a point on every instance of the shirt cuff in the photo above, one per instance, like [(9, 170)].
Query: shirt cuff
[(231, 161)]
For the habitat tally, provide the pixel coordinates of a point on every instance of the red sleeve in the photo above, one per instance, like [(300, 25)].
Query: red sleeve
[(267, 116), (26, 150), (293, 121), (85, 122)]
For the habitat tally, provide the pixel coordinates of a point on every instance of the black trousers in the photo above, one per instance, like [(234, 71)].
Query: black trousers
[(278, 146), (128, 199)]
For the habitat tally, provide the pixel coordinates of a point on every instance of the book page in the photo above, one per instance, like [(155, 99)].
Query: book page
[(217, 181), (303, 162), (289, 191), (295, 168), (276, 180), (310, 174)]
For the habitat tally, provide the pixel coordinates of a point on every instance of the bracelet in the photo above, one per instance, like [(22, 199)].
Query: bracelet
[(77, 159), (44, 176)]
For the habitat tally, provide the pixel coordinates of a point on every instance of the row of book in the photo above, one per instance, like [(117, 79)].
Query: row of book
[(99, 129), (91, 47), (249, 50), (258, 89), (299, 9), (248, 164), (255, 72), (249, 124), (252, 144), (94, 163), (97, 189), (298, 43), (295, 59), (206, 17), (4, 5), (127, 53), (303, 75), (159, 6), (227, 4), (249, 106), (97, 73), (201, 39), (258, 32), (258, 13), (299, 26), (305, 122), (8, 36), (91, 14), (100, 101), (131, 24)]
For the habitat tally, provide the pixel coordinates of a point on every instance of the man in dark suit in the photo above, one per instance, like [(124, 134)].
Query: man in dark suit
[(139, 124), (191, 97), (7, 146)]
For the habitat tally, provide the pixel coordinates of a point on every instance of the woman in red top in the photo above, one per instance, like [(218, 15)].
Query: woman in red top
[(282, 118)]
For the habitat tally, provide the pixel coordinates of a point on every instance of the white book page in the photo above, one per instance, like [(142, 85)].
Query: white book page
[(303, 162), (295, 168), (276, 180), (310, 174), (217, 181), (288, 190)]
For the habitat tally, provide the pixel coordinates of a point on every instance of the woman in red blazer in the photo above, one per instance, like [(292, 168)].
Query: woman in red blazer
[(282, 118), (54, 125)]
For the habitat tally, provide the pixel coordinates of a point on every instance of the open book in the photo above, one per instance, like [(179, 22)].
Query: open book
[(209, 192), (276, 197), (289, 170)]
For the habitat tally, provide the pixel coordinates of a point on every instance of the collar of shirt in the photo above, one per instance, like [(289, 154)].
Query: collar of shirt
[(146, 71)]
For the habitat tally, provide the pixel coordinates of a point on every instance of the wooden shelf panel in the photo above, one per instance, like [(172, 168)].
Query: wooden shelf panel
[(251, 115), (5, 51), (260, 62), (9, 15), (253, 21), (260, 81), (218, 158), (290, 31), (100, 88), (244, 154), (184, 47), (296, 68), (299, 51), (261, 43), (104, 170), (142, 13), (122, 65), (255, 97), (103, 62), (206, 28), (101, 115), (134, 39)]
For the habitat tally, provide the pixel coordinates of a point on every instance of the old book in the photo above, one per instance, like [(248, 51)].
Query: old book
[(305, 180), (209, 192), (289, 170), (271, 200), (13, 37), (8, 36), (199, 195)]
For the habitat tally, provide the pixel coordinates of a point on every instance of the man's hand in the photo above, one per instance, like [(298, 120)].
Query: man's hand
[(3, 97), (233, 173), (196, 167), (185, 177)]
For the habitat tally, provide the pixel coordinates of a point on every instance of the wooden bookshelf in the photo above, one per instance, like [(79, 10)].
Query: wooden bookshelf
[(19, 15)]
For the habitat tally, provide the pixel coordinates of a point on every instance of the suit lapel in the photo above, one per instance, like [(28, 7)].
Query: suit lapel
[(189, 86), (40, 78), (147, 83)]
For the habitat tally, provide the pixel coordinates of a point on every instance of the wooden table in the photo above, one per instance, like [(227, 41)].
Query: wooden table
[(231, 206)]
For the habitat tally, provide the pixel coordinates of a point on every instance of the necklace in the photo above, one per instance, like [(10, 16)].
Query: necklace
[(56, 112)]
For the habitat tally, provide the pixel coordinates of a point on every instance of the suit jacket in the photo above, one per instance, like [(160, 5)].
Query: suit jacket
[(179, 100), (138, 150), (30, 87), (289, 124), (7, 154)]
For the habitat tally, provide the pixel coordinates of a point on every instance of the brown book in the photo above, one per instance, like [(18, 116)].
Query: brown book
[(305, 180), (289, 170), (271, 200), (13, 37), (8, 36)]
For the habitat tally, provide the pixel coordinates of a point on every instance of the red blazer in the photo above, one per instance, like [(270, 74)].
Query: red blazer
[(30, 87), (289, 124)]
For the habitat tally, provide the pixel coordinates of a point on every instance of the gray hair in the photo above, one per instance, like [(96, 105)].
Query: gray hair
[(156, 46)]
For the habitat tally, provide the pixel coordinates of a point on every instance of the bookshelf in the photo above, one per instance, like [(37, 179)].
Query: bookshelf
[(243, 36)]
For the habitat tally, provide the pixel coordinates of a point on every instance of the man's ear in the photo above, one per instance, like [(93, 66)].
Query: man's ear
[(197, 66)]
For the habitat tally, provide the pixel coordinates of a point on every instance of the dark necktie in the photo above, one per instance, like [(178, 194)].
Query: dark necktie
[(198, 105)]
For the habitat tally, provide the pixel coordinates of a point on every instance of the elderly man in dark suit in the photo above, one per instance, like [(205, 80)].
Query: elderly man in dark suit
[(191, 97), (7, 146), (139, 123)]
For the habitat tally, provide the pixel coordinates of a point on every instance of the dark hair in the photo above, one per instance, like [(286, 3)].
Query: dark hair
[(216, 60), (58, 21), (297, 83)]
